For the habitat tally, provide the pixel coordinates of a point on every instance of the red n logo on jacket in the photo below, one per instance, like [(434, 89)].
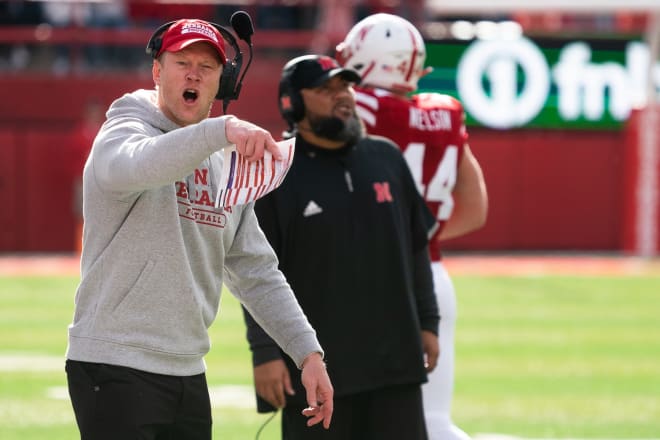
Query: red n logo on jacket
[(382, 190)]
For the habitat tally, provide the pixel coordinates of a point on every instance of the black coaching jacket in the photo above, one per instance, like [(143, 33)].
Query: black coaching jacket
[(351, 233)]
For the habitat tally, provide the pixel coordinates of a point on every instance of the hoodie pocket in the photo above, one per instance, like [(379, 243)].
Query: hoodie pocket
[(134, 294), (158, 313)]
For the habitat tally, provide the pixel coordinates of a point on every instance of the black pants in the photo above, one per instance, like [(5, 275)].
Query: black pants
[(112, 403), (394, 413)]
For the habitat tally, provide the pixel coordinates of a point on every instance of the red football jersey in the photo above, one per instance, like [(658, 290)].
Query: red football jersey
[(429, 128)]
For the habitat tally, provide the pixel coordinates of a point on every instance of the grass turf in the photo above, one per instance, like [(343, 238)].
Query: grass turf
[(545, 356)]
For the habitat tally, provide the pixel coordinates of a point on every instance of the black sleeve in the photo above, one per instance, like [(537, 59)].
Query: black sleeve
[(429, 219), (423, 225), (427, 304)]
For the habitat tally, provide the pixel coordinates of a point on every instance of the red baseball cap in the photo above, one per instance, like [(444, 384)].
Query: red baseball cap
[(183, 33)]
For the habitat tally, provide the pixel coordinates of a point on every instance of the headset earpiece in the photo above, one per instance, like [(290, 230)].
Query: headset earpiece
[(155, 41), (231, 70), (290, 102), (227, 80)]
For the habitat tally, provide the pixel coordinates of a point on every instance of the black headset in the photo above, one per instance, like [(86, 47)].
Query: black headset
[(230, 85)]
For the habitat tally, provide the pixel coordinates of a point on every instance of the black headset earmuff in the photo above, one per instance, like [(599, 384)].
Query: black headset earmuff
[(231, 70), (290, 103)]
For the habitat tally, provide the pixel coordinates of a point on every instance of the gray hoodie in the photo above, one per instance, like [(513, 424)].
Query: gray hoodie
[(156, 251)]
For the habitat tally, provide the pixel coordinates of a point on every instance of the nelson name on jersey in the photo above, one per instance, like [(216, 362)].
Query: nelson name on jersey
[(430, 120)]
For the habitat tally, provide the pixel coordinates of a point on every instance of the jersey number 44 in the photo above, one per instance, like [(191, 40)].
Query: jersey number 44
[(437, 192)]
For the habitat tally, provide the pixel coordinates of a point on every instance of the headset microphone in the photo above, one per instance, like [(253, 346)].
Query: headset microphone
[(242, 25)]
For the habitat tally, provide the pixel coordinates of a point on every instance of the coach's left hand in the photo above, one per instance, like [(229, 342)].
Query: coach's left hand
[(319, 390)]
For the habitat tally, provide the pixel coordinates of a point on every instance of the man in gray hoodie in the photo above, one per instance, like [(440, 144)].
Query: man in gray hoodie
[(156, 253)]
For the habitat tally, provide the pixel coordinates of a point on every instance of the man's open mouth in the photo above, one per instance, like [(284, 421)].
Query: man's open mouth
[(190, 95)]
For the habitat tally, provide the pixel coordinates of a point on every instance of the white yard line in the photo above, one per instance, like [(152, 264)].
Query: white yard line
[(233, 396), (30, 362)]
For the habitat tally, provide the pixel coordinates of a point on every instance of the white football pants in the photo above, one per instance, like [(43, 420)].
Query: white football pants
[(437, 392)]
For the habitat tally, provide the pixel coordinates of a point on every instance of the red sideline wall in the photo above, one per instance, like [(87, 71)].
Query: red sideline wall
[(549, 190)]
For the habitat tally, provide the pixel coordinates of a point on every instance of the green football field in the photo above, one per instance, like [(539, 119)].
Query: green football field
[(537, 357)]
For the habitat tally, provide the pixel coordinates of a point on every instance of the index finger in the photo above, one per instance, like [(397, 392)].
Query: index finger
[(274, 149)]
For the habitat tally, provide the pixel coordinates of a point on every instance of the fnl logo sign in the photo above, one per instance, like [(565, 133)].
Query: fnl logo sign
[(506, 84)]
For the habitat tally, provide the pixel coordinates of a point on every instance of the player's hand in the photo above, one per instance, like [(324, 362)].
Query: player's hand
[(431, 348), (251, 140), (271, 381), (319, 391)]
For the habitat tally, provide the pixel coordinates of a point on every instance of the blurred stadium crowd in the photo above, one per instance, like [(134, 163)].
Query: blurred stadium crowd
[(49, 18), (25, 25)]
